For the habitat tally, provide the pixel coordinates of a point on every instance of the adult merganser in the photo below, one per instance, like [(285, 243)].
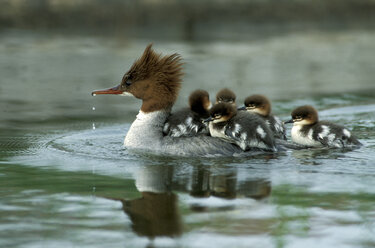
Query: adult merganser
[(188, 121), (260, 105), (226, 95), (243, 129), (156, 80), (309, 131)]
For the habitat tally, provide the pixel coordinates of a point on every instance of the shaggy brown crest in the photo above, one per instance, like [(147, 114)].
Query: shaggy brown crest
[(155, 79), (306, 112)]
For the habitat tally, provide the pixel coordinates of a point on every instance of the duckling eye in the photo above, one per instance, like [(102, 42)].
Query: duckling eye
[(217, 116)]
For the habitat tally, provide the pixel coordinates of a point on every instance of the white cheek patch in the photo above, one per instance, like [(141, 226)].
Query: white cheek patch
[(218, 120), (253, 110), (261, 111), (126, 94), (302, 122)]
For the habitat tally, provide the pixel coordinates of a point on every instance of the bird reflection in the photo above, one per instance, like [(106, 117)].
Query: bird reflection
[(316, 156), (225, 184), (156, 212)]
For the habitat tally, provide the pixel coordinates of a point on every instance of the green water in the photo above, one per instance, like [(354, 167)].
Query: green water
[(64, 183)]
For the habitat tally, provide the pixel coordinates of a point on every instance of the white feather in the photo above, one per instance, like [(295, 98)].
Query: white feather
[(261, 132), (346, 133), (324, 132)]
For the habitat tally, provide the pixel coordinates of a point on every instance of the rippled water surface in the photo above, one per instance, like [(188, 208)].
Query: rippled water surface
[(67, 181)]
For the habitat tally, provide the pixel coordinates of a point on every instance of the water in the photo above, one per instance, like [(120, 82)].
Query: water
[(66, 179)]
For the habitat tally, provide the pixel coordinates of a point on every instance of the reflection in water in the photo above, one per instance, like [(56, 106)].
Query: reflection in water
[(316, 156), (156, 213), (226, 184)]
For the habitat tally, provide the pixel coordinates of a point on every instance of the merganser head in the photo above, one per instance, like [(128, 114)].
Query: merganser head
[(226, 95), (154, 78), (199, 101), (258, 104), (221, 112), (304, 115)]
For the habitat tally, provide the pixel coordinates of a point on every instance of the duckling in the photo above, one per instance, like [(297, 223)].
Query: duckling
[(243, 129), (188, 121), (226, 95), (309, 131), (260, 105)]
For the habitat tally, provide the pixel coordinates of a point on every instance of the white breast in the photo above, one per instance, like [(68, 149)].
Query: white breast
[(146, 130), (215, 132), (302, 139)]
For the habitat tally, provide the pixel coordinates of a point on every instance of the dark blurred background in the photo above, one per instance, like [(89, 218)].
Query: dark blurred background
[(53, 53), (188, 19)]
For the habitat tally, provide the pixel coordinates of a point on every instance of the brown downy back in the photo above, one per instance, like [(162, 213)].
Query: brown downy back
[(225, 95), (199, 101)]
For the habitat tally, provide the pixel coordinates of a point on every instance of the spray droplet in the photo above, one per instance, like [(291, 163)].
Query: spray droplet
[(94, 94), (93, 126), (93, 108)]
